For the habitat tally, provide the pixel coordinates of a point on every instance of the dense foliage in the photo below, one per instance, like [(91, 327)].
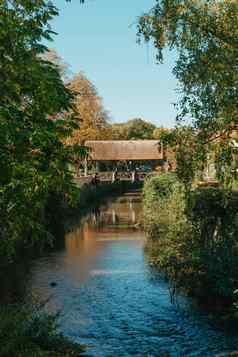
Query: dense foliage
[(134, 129), (28, 332), (205, 36), (193, 239), (89, 111), (33, 158)]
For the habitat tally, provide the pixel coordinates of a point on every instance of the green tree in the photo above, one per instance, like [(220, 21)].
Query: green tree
[(134, 129), (159, 132), (33, 158), (205, 36)]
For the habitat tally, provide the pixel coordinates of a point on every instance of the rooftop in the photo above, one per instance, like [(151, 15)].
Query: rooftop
[(125, 150)]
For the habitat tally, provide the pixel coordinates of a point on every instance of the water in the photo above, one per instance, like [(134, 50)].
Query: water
[(111, 300)]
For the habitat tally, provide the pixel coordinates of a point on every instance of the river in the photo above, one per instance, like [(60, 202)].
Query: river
[(115, 303)]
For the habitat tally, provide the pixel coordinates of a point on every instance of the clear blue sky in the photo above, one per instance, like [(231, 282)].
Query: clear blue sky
[(99, 38)]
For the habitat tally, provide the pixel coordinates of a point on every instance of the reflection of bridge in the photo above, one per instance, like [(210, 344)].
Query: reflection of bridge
[(123, 213)]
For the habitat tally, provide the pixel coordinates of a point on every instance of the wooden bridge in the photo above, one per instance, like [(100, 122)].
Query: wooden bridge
[(121, 160)]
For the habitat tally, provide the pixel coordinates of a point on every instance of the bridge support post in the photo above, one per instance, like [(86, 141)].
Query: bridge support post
[(113, 177), (133, 176)]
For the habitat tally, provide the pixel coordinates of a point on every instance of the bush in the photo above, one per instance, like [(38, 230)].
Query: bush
[(28, 332), (215, 220), (193, 238), (166, 225)]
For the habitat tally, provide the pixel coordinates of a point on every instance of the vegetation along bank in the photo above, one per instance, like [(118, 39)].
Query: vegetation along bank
[(193, 238)]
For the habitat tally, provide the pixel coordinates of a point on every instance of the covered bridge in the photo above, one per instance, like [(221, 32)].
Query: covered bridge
[(123, 156)]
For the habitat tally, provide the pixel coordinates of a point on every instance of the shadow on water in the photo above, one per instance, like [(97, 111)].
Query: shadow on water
[(113, 301)]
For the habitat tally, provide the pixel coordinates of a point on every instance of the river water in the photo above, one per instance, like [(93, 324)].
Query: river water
[(115, 303)]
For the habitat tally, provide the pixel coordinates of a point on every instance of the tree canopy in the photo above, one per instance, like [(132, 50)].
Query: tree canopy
[(33, 127), (205, 36), (134, 129), (89, 111)]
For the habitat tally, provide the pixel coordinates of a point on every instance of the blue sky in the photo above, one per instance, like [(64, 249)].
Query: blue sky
[(99, 38)]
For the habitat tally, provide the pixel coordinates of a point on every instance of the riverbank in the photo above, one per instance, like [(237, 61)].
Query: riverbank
[(193, 239)]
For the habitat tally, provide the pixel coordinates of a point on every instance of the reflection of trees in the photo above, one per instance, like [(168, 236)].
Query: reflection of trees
[(80, 241)]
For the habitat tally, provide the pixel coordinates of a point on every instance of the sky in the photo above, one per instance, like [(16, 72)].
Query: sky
[(99, 39)]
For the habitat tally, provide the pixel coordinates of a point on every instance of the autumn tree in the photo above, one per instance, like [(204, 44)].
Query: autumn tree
[(160, 131), (205, 36), (89, 111)]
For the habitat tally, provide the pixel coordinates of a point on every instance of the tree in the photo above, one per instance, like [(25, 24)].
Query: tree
[(33, 159), (134, 129), (159, 132), (205, 37), (89, 111)]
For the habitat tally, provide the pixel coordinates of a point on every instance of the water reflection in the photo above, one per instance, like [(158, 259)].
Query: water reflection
[(112, 301), (123, 213)]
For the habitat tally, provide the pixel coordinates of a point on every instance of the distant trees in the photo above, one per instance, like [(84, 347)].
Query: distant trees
[(134, 129)]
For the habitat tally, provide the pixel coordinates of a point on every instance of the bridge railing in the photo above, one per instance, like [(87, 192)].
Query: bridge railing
[(110, 176)]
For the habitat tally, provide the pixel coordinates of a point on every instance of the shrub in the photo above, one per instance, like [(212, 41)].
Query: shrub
[(28, 332), (215, 221), (193, 238), (166, 225)]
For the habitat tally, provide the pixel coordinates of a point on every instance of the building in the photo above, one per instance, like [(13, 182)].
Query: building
[(124, 155)]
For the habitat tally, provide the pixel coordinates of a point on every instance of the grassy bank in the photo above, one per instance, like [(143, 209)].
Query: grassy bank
[(193, 238)]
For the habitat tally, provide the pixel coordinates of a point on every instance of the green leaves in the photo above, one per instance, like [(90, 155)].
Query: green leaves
[(28, 331), (193, 239), (133, 129), (205, 37), (33, 124)]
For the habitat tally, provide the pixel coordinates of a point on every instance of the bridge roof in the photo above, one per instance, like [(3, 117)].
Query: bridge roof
[(127, 150)]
